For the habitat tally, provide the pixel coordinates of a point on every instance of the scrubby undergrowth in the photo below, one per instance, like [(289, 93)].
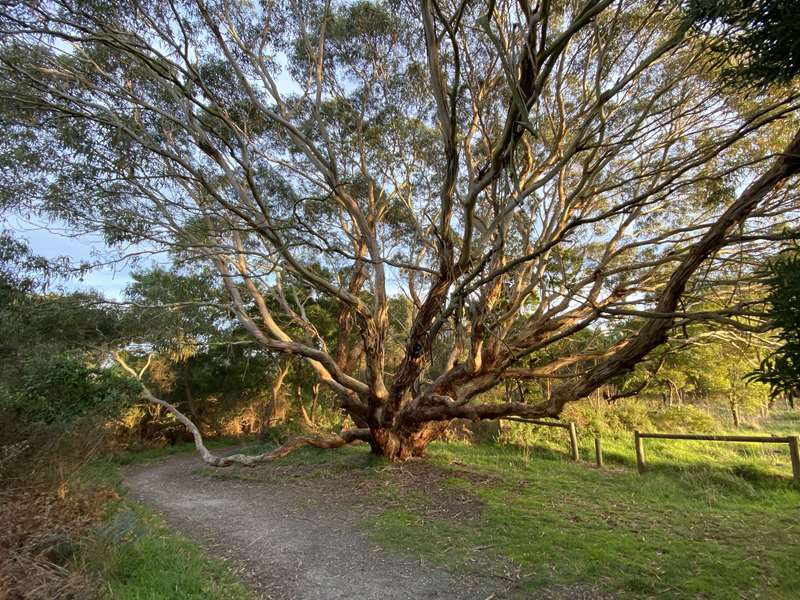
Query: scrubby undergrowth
[(69, 533)]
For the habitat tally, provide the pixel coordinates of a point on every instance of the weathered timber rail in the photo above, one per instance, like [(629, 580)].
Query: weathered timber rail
[(570, 427), (791, 440)]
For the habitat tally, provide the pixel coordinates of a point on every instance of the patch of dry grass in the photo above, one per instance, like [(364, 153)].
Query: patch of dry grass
[(40, 539), (44, 518)]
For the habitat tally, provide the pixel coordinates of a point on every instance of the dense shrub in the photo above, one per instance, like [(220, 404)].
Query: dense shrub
[(631, 416), (58, 389), (602, 418), (685, 418), (523, 434)]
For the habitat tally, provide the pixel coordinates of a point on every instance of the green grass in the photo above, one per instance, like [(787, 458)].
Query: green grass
[(785, 422), (137, 556), (685, 529)]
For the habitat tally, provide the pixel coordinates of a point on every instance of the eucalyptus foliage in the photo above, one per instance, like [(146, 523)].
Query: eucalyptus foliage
[(781, 369)]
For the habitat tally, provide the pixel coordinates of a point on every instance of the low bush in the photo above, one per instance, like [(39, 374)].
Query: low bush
[(684, 419), (602, 418), (61, 388)]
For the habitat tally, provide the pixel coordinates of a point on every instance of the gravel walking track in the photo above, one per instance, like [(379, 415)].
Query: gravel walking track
[(295, 540)]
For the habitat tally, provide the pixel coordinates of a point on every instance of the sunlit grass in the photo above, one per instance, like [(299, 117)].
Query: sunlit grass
[(706, 521)]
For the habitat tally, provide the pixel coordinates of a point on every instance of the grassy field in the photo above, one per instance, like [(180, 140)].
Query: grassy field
[(690, 533), (708, 519)]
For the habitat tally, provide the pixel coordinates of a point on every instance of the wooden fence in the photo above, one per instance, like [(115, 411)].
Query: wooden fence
[(570, 427), (792, 441)]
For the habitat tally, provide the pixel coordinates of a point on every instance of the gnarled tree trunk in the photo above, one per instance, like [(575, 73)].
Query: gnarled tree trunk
[(402, 443)]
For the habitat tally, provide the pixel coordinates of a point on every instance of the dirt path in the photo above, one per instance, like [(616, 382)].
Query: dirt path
[(286, 543)]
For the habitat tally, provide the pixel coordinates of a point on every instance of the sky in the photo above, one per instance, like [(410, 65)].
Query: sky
[(51, 241)]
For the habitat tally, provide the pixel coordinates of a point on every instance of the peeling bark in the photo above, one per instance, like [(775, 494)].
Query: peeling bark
[(402, 444)]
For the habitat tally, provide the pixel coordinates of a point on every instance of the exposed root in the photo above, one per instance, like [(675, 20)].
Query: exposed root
[(322, 440)]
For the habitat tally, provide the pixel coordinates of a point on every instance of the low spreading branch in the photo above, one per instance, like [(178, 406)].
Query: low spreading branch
[(317, 440)]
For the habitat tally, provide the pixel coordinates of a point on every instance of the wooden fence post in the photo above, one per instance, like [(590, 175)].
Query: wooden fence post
[(598, 451), (637, 442), (573, 442), (794, 452), (570, 427)]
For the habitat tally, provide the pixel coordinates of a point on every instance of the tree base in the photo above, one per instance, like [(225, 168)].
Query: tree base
[(400, 445)]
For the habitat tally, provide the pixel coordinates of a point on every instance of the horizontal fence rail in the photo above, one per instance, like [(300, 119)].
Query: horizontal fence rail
[(538, 422), (791, 440), (761, 439), (570, 427)]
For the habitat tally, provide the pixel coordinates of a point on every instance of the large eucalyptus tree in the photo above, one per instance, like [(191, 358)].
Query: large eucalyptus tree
[(525, 173)]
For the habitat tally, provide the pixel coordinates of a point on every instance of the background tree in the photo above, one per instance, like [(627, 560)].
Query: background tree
[(51, 345), (204, 364), (760, 44), (781, 369), (760, 40)]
